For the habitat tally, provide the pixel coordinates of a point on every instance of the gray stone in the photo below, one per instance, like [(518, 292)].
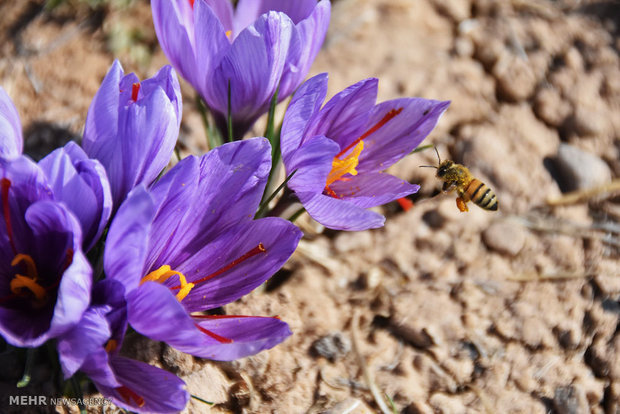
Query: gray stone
[(580, 170), (504, 237)]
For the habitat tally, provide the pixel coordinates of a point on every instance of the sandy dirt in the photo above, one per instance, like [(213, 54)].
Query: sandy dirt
[(440, 311)]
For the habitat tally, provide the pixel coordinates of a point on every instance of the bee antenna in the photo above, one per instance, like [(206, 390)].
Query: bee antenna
[(438, 157), (428, 166)]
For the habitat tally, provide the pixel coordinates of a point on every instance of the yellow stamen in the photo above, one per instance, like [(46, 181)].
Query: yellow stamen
[(19, 282), (31, 267), (228, 34), (346, 165), (163, 273)]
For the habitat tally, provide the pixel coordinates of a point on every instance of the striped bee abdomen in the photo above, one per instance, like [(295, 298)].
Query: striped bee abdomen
[(481, 195)]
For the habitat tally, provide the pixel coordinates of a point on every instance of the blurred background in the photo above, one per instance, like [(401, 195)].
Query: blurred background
[(440, 311)]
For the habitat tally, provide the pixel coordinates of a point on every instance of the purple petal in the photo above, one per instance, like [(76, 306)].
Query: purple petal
[(253, 66), (249, 335), (11, 141), (101, 126), (312, 30), (211, 43), (401, 134), (223, 9), (343, 118), (313, 162), (279, 239), (145, 142), (248, 11), (373, 189), (26, 185), (231, 180), (305, 104), (106, 318), (89, 335), (97, 368), (166, 79), (126, 243), (160, 391), (155, 312), (339, 214), (174, 26), (80, 183)]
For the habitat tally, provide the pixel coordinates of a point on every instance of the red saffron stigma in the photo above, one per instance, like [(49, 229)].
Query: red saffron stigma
[(405, 203), (331, 192), (191, 3), (215, 336), (257, 250), (383, 121), (232, 316), (130, 395), (135, 88), (220, 316), (5, 183)]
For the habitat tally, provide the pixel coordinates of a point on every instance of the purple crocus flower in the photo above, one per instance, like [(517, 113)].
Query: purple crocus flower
[(92, 347), (341, 150), (11, 141), (190, 244), (259, 46), (76, 180), (80, 183), (45, 278), (132, 127)]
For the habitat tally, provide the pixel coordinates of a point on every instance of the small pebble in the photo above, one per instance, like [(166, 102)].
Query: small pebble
[(504, 237), (333, 346), (579, 169), (570, 400)]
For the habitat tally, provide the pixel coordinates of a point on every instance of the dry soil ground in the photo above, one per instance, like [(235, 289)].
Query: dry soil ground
[(440, 311)]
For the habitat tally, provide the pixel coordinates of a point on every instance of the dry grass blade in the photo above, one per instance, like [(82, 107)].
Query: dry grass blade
[(583, 195), (368, 376)]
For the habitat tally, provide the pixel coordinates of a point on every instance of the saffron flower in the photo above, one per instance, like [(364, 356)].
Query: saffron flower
[(11, 141), (92, 347), (132, 127), (339, 151), (189, 244), (255, 48), (45, 279), (81, 183)]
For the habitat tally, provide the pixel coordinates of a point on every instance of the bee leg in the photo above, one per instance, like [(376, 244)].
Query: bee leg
[(461, 204), (447, 187)]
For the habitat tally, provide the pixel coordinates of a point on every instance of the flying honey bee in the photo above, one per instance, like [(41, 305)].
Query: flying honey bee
[(467, 187)]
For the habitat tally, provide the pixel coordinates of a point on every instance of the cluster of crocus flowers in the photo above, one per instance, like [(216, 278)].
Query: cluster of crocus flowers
[(177, 244), (237, 58), (104, 235)]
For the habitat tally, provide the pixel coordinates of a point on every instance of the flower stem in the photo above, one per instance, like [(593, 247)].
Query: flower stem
[(25, 380), (296, 215), (229, 120), (214, 139), (77, 391), (261, 210), (274, 139)]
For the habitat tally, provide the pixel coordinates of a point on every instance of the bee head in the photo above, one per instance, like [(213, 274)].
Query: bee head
[(444, 167)]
